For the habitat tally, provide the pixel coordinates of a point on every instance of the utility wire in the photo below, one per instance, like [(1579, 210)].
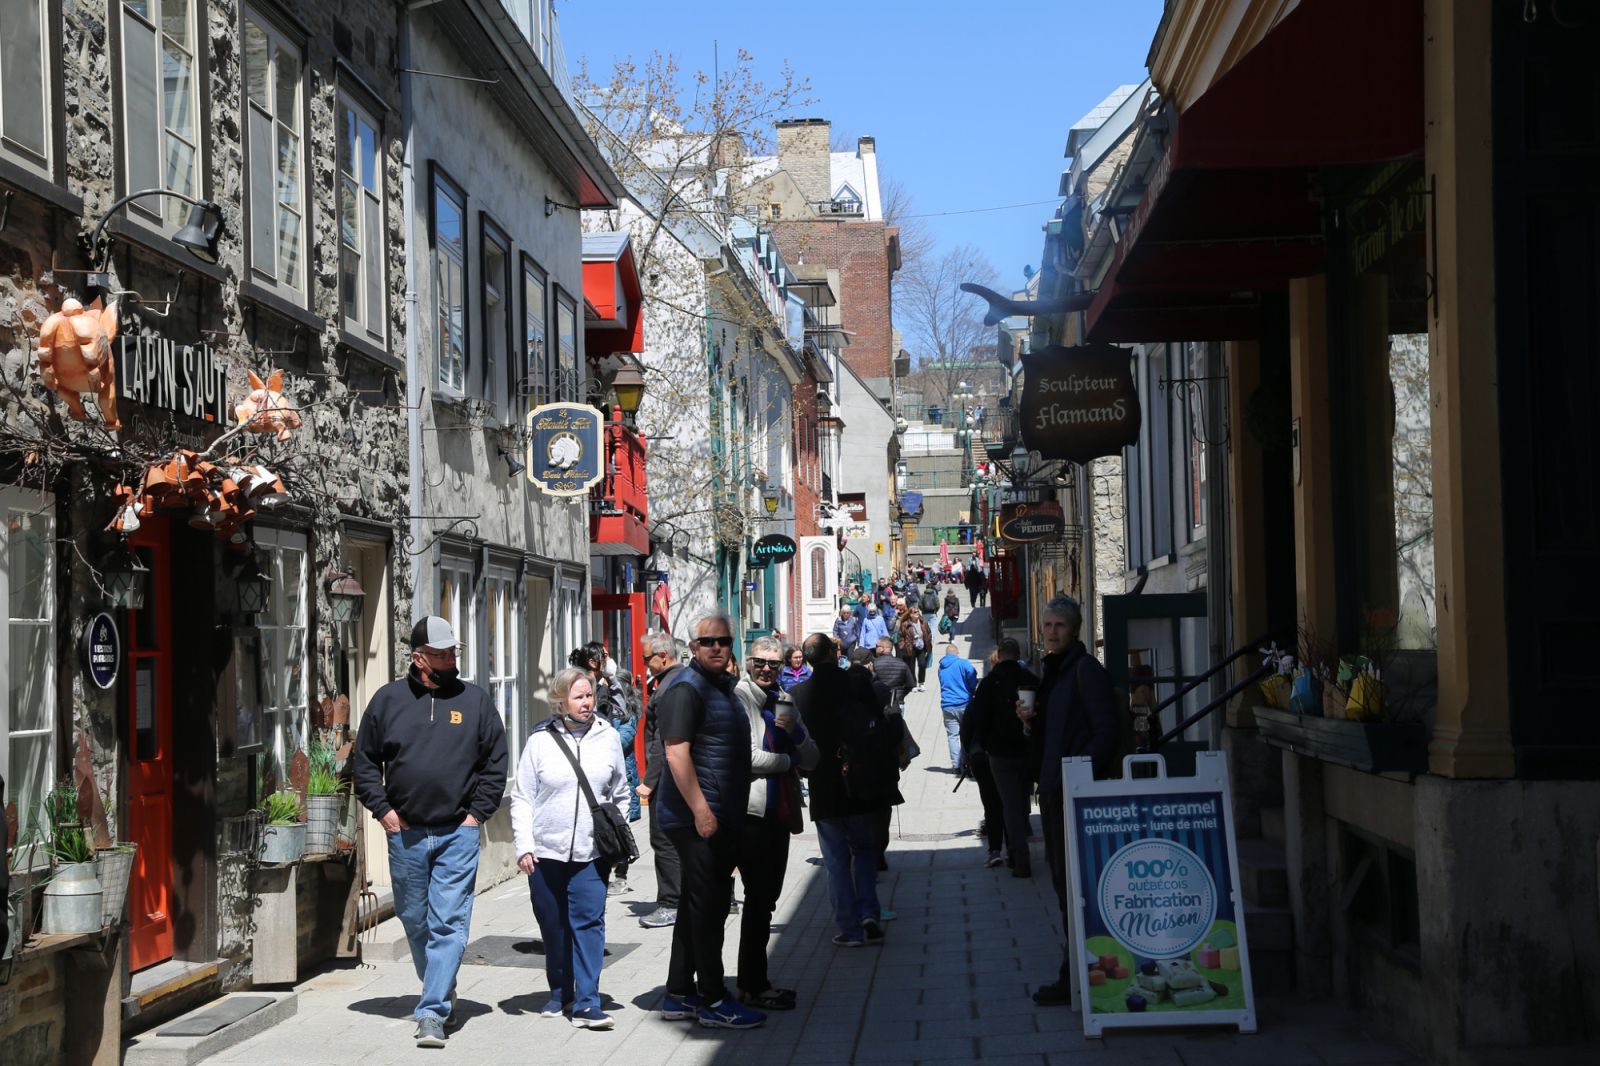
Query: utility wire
[(979, 210)]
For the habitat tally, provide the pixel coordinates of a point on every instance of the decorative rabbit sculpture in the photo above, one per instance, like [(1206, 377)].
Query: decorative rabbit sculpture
[(263, 410), (75, 358)]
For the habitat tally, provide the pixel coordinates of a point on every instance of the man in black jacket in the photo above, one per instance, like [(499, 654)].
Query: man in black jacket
[(430, 764), (997, 750), (853, 783), (661, 659), (1075, 713)]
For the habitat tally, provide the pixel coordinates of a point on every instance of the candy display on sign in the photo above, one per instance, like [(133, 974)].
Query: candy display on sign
[(1159, 933)]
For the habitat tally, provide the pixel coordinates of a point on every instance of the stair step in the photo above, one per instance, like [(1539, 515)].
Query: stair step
[(1263, 873), (1272, 824), (156, 1048)]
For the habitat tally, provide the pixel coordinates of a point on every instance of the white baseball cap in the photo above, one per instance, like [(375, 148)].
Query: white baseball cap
[(433, 632)]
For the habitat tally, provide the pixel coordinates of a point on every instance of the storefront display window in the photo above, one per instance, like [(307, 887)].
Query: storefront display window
[(500, 641), (283, 642), (28, 670)]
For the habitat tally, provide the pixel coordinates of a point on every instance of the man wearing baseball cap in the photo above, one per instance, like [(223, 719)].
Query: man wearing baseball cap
[(430, 764)]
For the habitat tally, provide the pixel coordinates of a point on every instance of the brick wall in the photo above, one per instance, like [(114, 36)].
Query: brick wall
[(860, 252)]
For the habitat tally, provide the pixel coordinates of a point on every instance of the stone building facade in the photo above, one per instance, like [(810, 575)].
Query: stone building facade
[(285, 117)]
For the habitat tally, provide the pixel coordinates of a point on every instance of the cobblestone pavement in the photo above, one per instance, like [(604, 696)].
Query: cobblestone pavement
[(951, 983)]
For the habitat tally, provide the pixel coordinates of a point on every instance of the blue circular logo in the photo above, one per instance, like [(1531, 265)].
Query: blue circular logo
[(1157, 898)]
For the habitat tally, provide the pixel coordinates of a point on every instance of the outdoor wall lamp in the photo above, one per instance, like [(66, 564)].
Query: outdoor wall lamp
[(199, 235), (1021, 462), (125, 580), (252, 588), (769, 500), (346, 595), (628, 384), (513, 464)]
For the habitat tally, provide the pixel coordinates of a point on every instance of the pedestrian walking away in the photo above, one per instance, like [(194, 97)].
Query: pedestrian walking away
[(661, 661), (430, 764), (779, 748), (852, 784), (994, 739), (553, 828), (957, 681), (703, 795), (1074, 713), (952, 610)]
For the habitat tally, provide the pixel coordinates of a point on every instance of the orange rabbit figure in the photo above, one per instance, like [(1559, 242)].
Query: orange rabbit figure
[(75, 358), (263, 410)]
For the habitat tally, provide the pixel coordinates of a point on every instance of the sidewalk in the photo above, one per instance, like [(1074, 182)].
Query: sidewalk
[(951, 983)]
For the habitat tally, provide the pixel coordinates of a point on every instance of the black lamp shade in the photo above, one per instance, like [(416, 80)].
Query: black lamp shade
[(125, 583), (253, 588), (346, 595), (200, 233)]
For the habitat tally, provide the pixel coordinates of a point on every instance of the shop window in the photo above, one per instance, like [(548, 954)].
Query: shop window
[(457, 607), (500, 641), (284, 665), (1416, 620), (28, 669), (361, 225), (570, 611), (1380, 885), (498, 371), (535, 317), (450, 284), (161, 105), (275, 182), (568, 381), (25, 81)]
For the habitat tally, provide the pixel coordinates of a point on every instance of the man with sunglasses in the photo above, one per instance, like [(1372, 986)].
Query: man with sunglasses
[(430, 764), (703, 794), (779, 746)]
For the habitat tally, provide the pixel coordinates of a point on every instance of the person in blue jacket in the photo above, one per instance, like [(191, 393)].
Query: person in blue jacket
[(957, 682)]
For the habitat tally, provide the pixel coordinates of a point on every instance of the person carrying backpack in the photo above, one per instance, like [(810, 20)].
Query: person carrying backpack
[(930, 600)]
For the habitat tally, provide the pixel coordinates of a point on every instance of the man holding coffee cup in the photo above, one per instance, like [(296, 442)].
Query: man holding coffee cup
[(994, 733)]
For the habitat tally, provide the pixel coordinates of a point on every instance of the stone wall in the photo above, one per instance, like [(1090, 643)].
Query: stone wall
[(33, 1012)]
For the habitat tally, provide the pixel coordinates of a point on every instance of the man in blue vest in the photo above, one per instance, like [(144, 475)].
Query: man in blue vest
[(703, 793)]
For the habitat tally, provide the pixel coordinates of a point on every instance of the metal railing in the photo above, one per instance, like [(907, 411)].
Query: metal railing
[(1220, 701)]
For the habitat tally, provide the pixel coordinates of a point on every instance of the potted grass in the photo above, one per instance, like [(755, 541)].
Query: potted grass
[(72, 898), (324, 800), (283, 838)]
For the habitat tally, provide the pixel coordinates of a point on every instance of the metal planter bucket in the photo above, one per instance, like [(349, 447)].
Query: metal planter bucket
[(114, 868), (283, 843), (72, 900), (322, 822)]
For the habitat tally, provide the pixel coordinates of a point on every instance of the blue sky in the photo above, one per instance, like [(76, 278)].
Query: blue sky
[(970, 103)]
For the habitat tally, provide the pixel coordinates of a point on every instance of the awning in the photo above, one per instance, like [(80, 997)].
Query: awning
[(611, 289), (1229, 211)]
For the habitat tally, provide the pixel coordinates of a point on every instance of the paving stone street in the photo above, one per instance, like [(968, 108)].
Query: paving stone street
[(952, 982)]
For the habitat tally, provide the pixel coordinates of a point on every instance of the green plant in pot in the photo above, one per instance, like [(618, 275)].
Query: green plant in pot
[(324, 800), (283, 838), (72, 898)]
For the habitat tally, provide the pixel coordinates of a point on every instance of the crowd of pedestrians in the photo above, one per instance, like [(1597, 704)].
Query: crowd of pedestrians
[(731, 766)]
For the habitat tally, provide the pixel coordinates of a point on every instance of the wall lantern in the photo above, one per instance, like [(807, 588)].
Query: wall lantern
[(346, 595), (769, 499), (199, 235), (253, 588), (1021, 462), (125, 580), (628, 384)]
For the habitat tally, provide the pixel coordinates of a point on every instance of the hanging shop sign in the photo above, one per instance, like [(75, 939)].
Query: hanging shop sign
[(858, 530), (1029, 523), (774, 548), (1158, 933), (102, 651), (187, 379), (1079, 403), (565, 456)]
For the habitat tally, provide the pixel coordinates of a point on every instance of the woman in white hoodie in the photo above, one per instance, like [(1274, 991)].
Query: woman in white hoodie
[(554, 834)]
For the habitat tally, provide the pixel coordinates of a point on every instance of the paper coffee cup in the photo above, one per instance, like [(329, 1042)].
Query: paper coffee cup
[(1026, 697)]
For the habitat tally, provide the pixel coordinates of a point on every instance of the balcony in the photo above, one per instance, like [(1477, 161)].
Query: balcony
[(618, 511), (837, 208)]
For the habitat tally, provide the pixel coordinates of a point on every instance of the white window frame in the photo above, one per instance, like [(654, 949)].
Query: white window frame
[(14, 501), (569, 610), (459, 606), (40, 160), (451, 370), (265, 263), (167, 210), (371, 321), (503, 641), (284, 556)]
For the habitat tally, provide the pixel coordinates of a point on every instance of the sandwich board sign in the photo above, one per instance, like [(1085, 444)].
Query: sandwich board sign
[(1157, 927)]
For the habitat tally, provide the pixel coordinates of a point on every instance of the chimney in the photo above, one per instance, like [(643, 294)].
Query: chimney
[(866, 146), (803, 152)]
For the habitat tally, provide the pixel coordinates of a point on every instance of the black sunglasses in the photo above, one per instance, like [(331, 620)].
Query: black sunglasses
[(765, 664), (714, 642)]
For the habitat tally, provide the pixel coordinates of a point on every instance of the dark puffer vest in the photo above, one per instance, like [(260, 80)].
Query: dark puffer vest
[(720, 750)]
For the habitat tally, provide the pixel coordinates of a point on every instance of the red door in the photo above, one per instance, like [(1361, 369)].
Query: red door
[(149, 710)]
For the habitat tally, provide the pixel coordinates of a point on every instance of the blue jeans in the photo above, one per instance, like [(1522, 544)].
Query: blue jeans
[(850, 855), (434, 871), (569, 901), (952, 732)]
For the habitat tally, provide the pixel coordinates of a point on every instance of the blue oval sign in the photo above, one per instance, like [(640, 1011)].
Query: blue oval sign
[(774, 548), (102, 651)]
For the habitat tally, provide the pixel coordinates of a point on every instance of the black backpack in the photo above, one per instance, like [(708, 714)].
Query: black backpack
[(930, 601), (869, 754)]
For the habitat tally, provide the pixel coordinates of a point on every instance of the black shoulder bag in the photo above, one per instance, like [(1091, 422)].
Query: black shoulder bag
[(613, 836)]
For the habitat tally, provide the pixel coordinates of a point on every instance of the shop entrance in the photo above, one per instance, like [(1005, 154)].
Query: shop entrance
[(149, 746)]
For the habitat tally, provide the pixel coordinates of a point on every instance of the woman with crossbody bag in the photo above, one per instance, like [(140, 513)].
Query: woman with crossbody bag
[(566, 829)]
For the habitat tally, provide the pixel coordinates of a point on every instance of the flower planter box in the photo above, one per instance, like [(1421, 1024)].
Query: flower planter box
[(1371, 747)]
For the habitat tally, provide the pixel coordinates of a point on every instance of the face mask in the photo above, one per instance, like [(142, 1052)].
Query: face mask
[(444, 675), (844, 663)]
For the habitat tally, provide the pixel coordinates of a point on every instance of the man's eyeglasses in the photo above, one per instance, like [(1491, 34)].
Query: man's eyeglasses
[(765, 664), (714, 642)]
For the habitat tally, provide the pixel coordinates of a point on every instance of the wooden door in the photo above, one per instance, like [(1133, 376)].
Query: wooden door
[(149, 711)]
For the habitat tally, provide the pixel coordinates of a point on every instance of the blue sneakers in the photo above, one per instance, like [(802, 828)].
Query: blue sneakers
[(554, 1008), (729, 1013), (679, 1008), (591, 1018)]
